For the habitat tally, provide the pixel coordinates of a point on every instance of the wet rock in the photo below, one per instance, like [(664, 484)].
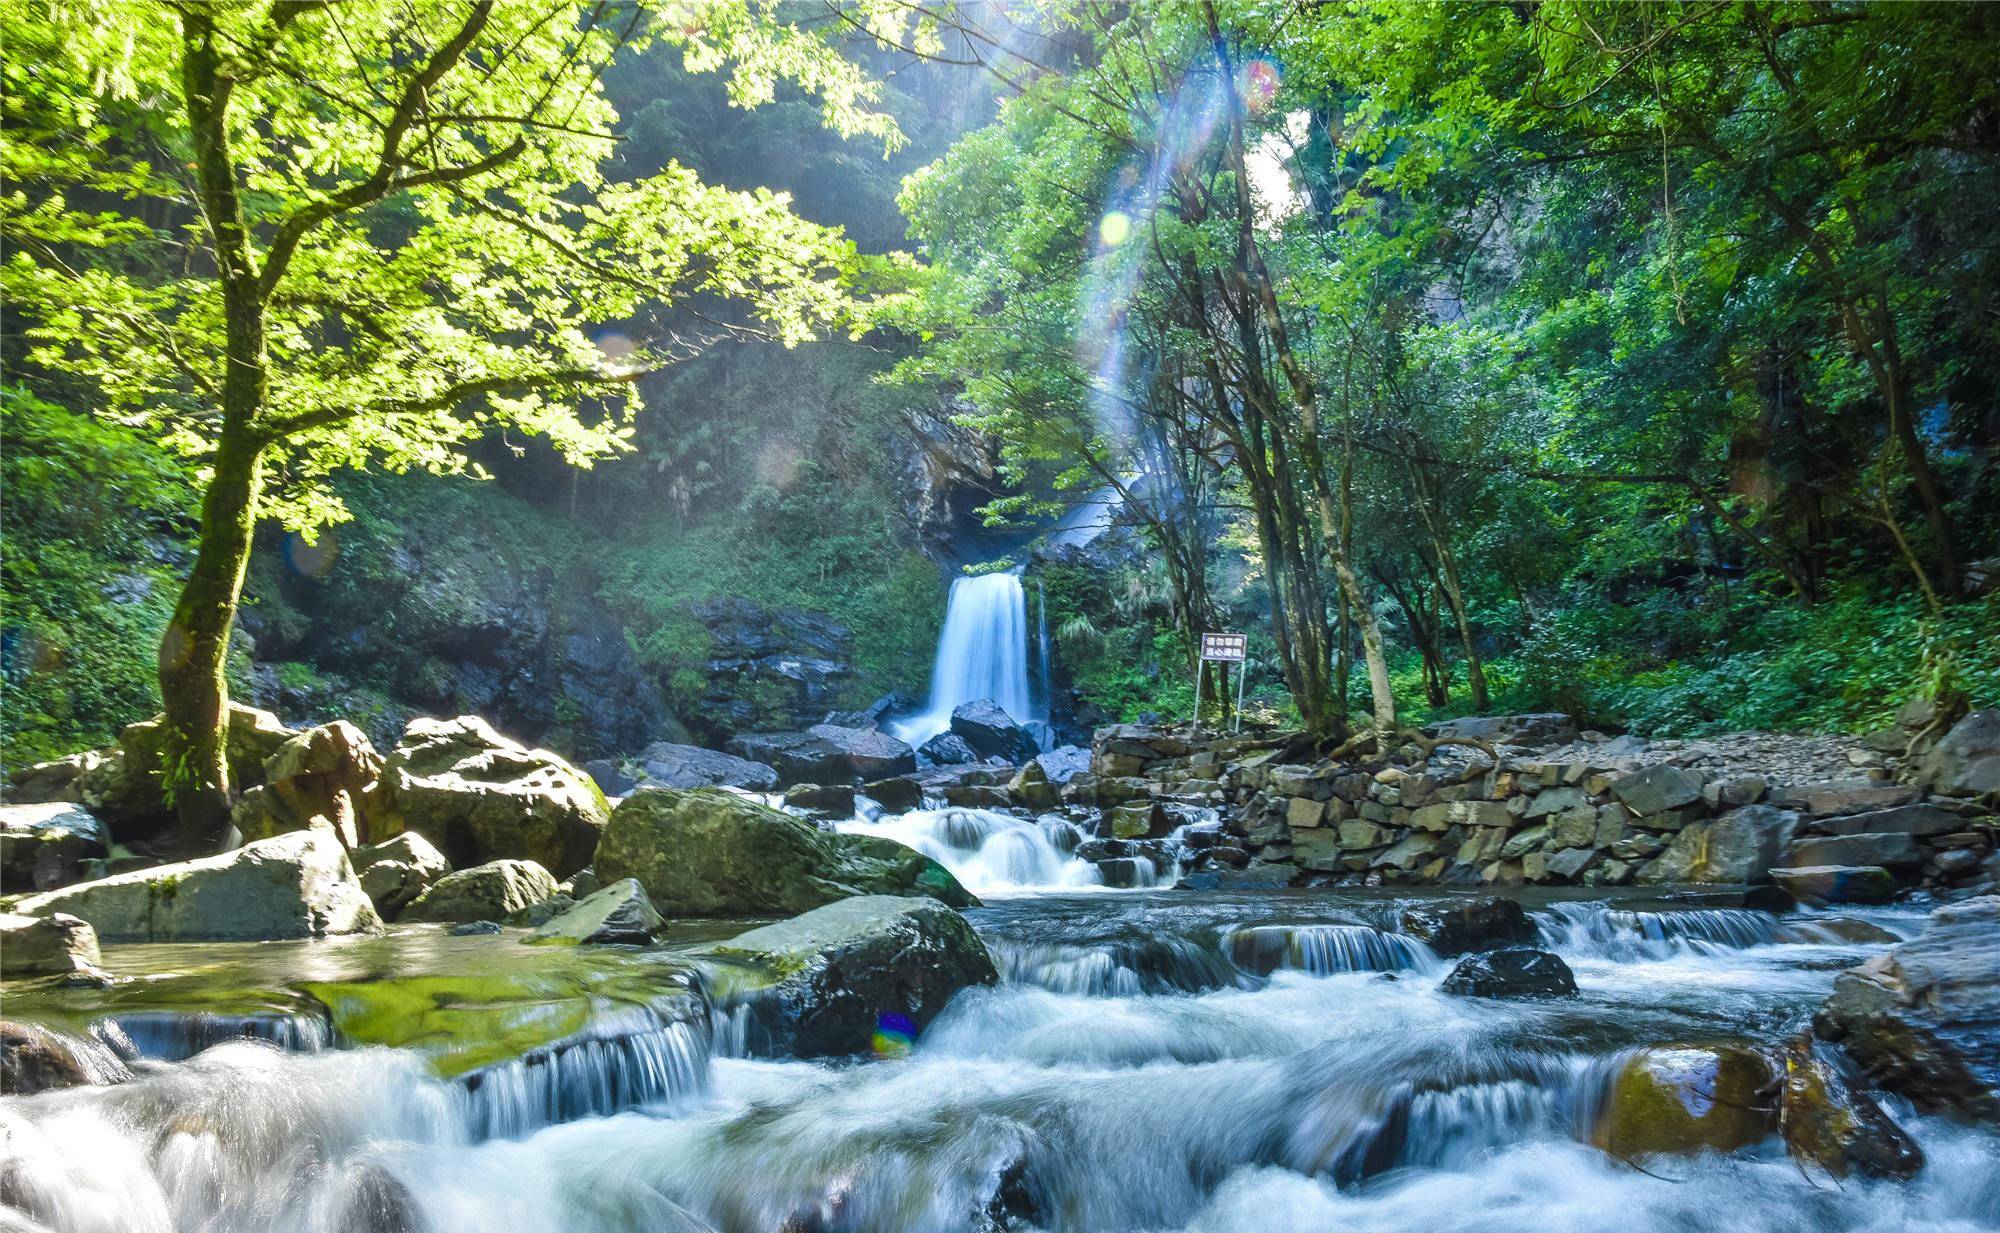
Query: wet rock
[(1126, 872), (1923, 1018), (1967, 761), (34, 1059), (1829, 1122), (796, 757), (947, 749), (1822, 884), (1740, 847), (1892, 851), (992, 733), (876, 714), (667, 765), (482, 797), (54, 945), (866, 973), (1140, 820), (474, 928), (1063, 763), (711, 853), (493, 891), (1030, 787), (293, 886), (45, 846), (619, 913), (834, 799), (1687, 1098), (1657, 789), (1514, 973), (396, 871), (869, 754), (899, 795), (1460, 927), (371, 1200), (328, 773)]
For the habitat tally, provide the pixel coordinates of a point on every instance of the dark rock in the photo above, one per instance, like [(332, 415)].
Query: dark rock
[(1921, 820), (1923, 1018), (1829, 1122), (482, 797), (992, 732), (34, 1059), (1892, 851), (1967, 761), (711, 853), (876, 714), (870, 754), (45, 846), (610, 778), (1837, 883), (1842, 796), (797, 757), (667, 765), (1459, 927), (474, 928), (1514, 973), (371, 1200), (495, 890), (828, 798), (793, 662), (1687, 1098), (865, 973), (899, 795), (618, 913), (947, 749), (1063, 763), (1126, 871)]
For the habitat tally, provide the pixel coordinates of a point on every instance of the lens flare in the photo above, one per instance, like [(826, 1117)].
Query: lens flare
[(1260, 84), (894, 1035), (315, 558), (1114, 228)]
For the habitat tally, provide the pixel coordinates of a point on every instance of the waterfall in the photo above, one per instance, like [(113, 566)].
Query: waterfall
[(982, 653)]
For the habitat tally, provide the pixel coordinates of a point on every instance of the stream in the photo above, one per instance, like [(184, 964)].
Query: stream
[(1222, 1062)]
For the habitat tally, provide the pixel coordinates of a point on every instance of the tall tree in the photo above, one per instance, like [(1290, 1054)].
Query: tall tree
[(296, 237)]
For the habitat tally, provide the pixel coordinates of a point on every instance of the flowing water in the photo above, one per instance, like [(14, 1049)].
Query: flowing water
[(982, 654), (1224, 1062)]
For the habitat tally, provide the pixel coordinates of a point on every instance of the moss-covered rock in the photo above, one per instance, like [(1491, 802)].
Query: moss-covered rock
[(494, 891), (863, 974), (1827, 1121), (616, 913), (1687, 1098), (708, 852)]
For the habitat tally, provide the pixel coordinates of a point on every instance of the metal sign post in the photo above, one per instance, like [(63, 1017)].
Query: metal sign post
[(1226, 649)]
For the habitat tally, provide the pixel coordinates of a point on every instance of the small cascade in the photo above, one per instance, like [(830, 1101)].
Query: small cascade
[(175, 1036), (1127, 967), (1326, 950), (1044, 683), (1597, 931), (626, 1060), (989, 852), (982, 653)]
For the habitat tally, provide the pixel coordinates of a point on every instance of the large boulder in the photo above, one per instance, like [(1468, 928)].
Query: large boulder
[(1923, 1018), (1739, 848), (1967, 761), (54, 945), (797, 757), (298, 885), (1686, 1098), (1657, 789), (493, 891), (1829, 1122), (709, 852), (947, 749), (1518, 972), (44, 846), (992, 732), (1465, 926), (870, 754), (863, 973), (616, 913), (667, 765), (329, 773), (482, 797), (396, 871), (122, 785)]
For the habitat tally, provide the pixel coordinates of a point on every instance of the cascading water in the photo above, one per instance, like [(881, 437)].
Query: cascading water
[(1229, 1062), (987, 851), (982, 653)]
